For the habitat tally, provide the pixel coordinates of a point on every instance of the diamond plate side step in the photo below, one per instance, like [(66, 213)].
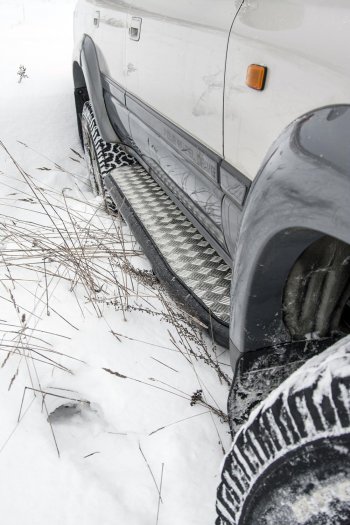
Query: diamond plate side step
[(181, 257)]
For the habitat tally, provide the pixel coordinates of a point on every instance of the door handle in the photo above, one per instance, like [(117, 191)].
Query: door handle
[(135, 28), (130, 68), (97, 17)]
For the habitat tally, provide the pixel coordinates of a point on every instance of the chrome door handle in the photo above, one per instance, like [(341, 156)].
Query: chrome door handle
[(135, 28)]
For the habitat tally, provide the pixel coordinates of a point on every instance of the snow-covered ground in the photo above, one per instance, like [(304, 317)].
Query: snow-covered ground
[(78, 320)]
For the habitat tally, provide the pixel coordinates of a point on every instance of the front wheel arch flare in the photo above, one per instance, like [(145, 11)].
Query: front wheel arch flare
[(300, 194)]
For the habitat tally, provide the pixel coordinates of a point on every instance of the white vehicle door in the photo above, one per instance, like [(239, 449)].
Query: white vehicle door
[(175, 67), (176, 53)]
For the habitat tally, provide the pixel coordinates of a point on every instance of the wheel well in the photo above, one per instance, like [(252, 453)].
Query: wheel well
[(300, 285), (317, 291)]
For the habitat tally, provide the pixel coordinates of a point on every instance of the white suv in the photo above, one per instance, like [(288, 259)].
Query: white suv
[(220, 130)]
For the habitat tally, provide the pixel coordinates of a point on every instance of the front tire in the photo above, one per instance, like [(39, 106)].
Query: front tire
[(289, 464)]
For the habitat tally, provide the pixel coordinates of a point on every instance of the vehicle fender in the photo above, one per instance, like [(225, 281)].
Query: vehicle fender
[(90, 66), (300, 194)]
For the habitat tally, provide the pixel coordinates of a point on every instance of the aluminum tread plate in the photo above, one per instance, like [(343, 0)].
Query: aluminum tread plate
[(186, 251)]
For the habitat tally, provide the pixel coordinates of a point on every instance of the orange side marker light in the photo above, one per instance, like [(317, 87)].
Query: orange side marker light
[(256, 77)]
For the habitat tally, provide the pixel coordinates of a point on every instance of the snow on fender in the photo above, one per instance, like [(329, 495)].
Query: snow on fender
[(289, 464)]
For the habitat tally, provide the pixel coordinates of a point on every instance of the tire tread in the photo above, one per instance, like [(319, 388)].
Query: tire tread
[(109, 156), (288, 418)]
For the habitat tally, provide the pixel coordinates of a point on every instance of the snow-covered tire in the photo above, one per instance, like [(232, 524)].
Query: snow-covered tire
[(101, 157), (290, 463)]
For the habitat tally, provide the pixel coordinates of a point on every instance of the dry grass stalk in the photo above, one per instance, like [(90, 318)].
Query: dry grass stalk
[(62, 238)]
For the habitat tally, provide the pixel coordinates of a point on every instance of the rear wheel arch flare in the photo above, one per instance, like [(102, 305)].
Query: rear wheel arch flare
[(78, 76), (92, 74)]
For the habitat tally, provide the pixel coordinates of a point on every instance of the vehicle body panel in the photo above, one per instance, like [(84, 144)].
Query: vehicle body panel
[(193, 170), (177, 68), (304, 45), (186, 89), (178, 65)]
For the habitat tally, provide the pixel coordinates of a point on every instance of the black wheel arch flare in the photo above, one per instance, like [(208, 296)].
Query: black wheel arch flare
[(300, 194)]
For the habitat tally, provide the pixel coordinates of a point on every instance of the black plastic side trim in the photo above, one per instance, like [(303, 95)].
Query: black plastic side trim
[(179, 290), (199, 159), (114, 89), (172, 134), (118, 117), (234, 183), (203, 158)]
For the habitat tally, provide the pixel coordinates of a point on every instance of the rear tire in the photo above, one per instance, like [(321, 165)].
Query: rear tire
[(289, 464), (91, 157), (101, 157)]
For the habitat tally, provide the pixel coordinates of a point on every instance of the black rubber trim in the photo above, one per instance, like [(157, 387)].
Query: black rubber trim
[(114, 89), (155, 121), (234, 184), (191, 149), (178, 289), (259, 372)]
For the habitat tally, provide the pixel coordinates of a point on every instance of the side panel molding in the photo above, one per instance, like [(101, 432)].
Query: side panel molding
[(300, 194), (91, 69)]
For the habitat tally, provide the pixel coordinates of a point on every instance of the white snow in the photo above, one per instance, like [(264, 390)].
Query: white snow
[(105, 438)]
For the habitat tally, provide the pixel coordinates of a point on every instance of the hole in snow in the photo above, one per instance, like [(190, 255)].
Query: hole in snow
[(68, 411)]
